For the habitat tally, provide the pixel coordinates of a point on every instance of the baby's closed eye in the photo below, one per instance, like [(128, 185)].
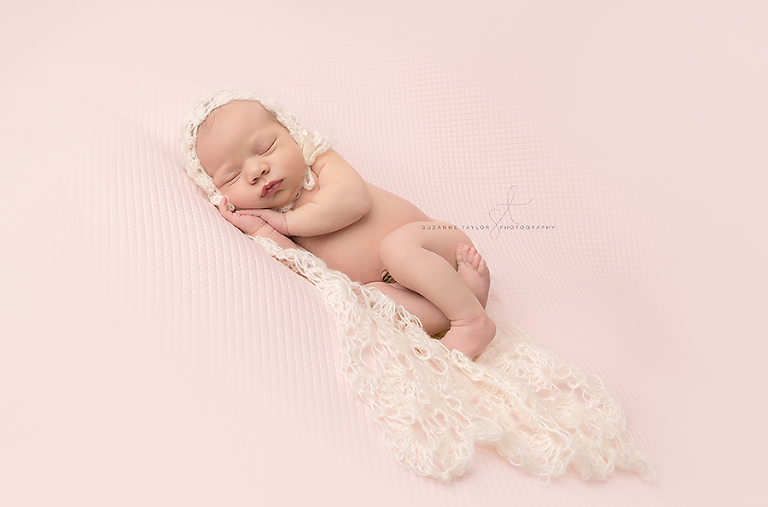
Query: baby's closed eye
[(264, 148), (231, 178), (270, 148)]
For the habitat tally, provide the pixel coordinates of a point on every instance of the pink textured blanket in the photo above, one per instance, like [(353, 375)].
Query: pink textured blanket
[(606, 161)]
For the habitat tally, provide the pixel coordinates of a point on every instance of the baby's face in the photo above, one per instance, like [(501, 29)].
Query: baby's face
[(251, 157)]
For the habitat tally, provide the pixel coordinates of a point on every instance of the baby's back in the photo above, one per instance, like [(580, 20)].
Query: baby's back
[(354, 250)]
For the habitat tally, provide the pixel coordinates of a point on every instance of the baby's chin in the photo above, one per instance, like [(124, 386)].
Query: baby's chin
[(285, 200)]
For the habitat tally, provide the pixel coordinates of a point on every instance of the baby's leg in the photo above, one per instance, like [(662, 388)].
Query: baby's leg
[(422, 256), (432, 319)]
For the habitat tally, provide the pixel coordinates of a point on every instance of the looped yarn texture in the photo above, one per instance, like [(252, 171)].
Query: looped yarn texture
[(312, 143), (539, 411)]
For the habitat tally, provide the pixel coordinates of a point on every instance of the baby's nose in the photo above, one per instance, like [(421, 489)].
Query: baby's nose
[(255, 168)]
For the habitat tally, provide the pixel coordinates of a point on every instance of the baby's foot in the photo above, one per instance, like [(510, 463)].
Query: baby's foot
[(473, 271), (471, 335)]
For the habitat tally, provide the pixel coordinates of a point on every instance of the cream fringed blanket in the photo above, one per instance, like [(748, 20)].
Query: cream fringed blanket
[(434, 405)]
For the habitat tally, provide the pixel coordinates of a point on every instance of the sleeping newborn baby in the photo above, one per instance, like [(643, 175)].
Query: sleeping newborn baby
[(271, 177)]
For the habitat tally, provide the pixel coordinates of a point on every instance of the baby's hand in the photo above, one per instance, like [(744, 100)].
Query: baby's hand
[(273, 218), (254, 226), (249, 224)]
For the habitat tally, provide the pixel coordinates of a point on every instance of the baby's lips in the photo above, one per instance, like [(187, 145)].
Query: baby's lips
[(269, 187)]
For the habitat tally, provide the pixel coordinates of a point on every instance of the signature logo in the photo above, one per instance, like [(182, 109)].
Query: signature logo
[(504, 210)]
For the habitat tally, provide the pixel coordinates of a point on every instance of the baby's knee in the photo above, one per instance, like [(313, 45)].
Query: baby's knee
[(392, 246)]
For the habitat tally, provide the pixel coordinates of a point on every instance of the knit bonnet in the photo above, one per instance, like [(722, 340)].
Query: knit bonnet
[(311, 144)]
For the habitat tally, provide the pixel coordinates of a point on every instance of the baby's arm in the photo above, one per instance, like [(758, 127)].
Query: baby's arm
[(254, 226), (341, 200)]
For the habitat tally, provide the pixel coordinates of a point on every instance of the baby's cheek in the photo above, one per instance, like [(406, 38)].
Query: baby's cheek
[(241, 199)]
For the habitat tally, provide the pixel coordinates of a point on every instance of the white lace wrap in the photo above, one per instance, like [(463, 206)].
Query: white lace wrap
[(312, 143), (539, 412)]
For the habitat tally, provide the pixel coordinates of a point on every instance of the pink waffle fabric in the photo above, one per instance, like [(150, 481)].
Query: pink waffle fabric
[(153, 355)]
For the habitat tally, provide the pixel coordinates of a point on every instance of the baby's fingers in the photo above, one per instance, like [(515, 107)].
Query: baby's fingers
[(250, 212), (249, 223), (223, 206), (235, 219)]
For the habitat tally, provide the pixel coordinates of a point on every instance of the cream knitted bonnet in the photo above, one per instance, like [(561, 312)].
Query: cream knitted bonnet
[(312, 144)]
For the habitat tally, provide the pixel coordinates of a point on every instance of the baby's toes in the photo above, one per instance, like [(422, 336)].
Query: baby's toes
[(462, 253), (474, 258)]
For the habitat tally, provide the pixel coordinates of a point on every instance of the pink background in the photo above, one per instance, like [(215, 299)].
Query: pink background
[(137, 366)]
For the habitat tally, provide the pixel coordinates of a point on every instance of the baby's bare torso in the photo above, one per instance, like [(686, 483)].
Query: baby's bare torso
[(354, 250)]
